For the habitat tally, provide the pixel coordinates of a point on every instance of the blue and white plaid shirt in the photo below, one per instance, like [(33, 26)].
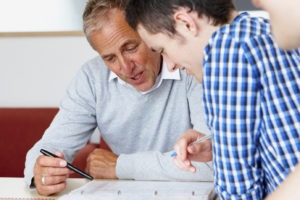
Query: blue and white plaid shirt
[(252, 101)]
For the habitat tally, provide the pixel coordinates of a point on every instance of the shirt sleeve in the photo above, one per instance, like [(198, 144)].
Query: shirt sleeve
[(231, 98), (75, 120), (158, 166)]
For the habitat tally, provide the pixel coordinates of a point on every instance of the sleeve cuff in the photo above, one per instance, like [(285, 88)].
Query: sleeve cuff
[(124, 168)]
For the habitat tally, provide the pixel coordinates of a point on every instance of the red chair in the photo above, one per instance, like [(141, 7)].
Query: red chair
[(20, 129)]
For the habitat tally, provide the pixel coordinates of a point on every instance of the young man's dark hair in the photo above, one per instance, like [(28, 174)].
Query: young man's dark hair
[(157, 16)]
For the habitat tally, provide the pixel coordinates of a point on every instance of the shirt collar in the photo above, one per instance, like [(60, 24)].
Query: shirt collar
[(165, 74)]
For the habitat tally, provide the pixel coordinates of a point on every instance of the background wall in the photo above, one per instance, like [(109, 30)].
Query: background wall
[(53, 15), (242, 5), (35, 71)]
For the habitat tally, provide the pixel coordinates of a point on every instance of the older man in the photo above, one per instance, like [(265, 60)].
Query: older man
[(139, 107)]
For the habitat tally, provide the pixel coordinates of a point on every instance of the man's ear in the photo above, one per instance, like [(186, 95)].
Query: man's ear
[(185, 20)]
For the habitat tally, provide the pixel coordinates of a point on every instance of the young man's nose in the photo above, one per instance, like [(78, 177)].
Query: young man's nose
[(171, 65)]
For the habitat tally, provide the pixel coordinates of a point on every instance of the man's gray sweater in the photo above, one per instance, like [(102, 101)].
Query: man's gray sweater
[(139, 127)]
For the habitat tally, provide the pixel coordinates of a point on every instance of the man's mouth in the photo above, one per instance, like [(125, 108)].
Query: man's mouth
[(136, 77)]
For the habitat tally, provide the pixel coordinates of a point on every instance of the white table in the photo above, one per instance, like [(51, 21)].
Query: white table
[(15, 188)]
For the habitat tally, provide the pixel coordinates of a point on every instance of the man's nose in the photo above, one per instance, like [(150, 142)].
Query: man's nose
[(126, 65)]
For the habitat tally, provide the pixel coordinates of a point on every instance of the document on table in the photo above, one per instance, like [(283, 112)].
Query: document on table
[(141, 190)]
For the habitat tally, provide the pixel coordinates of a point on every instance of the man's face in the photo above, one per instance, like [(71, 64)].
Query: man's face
[(178, 51), (284, 16), (125, 53)]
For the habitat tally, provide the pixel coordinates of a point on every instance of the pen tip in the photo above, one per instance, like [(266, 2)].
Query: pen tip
[(173, 154)]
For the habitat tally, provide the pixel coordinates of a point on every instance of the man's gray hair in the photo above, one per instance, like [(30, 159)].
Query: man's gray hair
[(95, 14)]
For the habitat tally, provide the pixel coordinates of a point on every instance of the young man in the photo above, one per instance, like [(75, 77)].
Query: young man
[(139, 107), (250, 88)]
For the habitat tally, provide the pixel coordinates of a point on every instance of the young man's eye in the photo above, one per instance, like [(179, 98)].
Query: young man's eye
[(160, 51)]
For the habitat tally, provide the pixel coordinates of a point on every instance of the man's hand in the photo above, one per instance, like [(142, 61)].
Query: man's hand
[(102, 164), (50, 174), (186, 153)]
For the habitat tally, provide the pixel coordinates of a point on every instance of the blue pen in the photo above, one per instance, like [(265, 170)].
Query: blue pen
[(173, 154)]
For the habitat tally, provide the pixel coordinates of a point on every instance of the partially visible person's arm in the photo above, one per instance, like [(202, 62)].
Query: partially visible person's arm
[(289, 189), (281, 21)]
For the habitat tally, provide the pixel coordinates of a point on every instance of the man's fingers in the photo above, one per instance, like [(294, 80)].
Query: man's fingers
[(50, 189), (184, 165), (51, 162), (102, 164), (48, 166), (180, 148), (184, 142), (59, 154), (200, 152), (52, 180), (50, 174)]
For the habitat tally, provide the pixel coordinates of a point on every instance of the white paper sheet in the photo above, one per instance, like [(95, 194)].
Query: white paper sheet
[(141, 190)]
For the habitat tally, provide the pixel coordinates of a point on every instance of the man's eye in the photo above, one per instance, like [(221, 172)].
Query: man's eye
[(132, 48), (110, 59)]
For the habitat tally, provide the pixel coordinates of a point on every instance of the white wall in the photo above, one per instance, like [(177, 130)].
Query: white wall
[(35, 71), (41, 15)]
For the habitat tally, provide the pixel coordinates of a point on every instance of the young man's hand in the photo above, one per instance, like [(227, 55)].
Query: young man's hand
[(186, 153)]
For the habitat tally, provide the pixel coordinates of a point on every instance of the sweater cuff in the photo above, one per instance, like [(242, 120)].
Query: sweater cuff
[(124, 168)]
